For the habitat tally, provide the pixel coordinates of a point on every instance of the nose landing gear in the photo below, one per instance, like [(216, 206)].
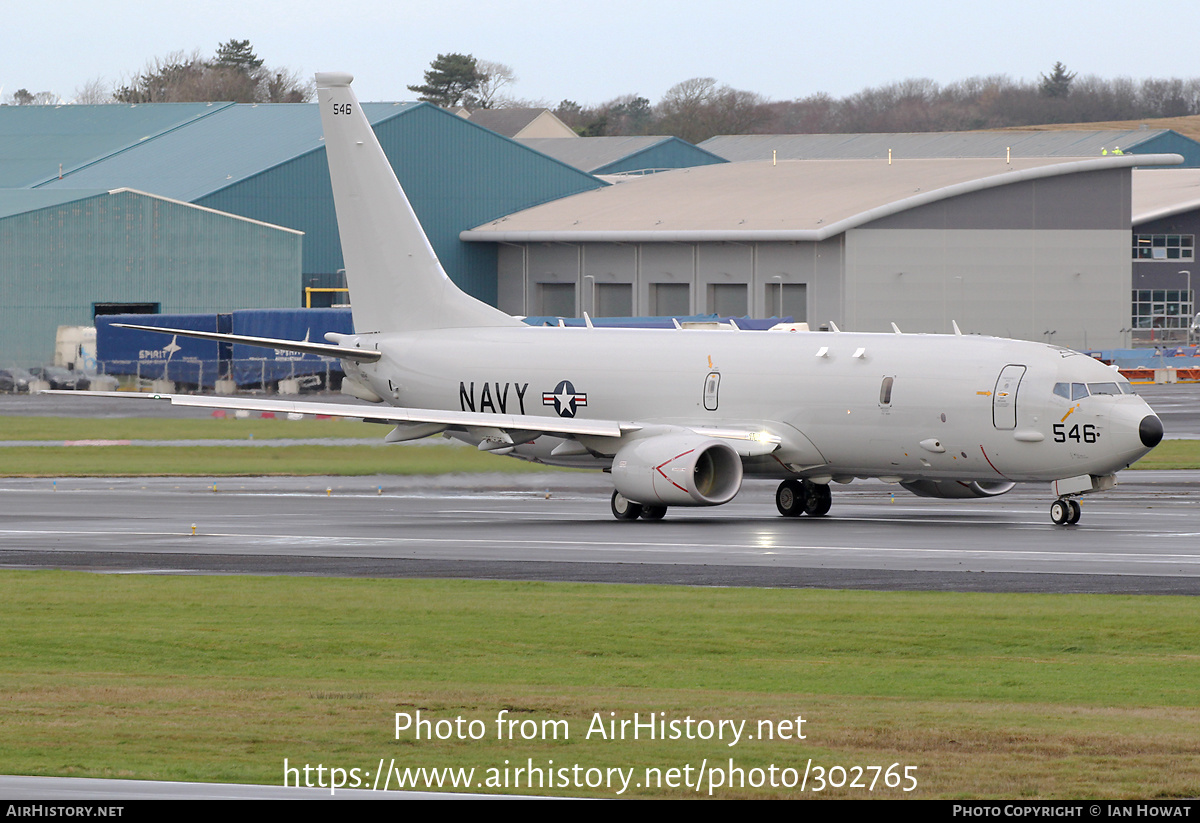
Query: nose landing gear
[(1065, 512)]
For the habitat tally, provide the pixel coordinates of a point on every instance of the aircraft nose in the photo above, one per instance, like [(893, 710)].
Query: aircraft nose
[(1150, 431)]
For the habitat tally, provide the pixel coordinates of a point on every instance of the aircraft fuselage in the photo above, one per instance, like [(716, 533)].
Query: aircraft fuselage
[(844, 405)]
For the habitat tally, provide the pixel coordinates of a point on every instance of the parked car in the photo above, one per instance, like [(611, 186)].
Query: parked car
[(60, 378), (15, 380)]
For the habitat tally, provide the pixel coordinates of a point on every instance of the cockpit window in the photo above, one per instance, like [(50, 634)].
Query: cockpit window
[(1077, 391)]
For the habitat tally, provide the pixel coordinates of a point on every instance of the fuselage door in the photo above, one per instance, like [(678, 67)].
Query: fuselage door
[(1004, 398), (711, 384)]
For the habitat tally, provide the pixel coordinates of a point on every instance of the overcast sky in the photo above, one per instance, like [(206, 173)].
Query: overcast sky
[(594, 52)]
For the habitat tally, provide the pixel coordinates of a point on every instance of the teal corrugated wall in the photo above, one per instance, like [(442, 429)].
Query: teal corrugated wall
[(125, 248)]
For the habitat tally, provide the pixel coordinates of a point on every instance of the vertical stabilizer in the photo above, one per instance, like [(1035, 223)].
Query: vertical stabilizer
[(396, 281)]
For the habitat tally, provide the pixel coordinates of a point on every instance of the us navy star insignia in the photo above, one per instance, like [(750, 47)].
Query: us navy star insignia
[(565, 400)]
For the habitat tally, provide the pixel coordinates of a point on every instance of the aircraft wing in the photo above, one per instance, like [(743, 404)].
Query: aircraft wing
[(388, 414), (746, 442)]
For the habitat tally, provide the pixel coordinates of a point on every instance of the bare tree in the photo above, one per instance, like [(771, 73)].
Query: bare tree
[(94, 91), (698, 108), (495, 76)]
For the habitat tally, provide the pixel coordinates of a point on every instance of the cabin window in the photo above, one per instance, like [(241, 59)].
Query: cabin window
[(885, 391), (711, 385)]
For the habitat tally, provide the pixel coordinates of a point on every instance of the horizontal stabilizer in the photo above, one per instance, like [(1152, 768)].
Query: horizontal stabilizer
[(302, 346)]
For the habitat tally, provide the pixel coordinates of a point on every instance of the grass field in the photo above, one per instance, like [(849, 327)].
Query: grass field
[(221, 678), (233, 461), (180, 428)]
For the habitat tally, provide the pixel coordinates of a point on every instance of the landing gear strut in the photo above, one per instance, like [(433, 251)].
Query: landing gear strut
[(796, 497), (1065, 512)]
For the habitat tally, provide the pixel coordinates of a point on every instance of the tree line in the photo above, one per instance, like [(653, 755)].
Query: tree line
[(694, 109), (700, 107), (235, 74)]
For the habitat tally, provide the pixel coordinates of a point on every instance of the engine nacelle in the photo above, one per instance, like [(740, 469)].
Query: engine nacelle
[(958, 489), (677, 470)]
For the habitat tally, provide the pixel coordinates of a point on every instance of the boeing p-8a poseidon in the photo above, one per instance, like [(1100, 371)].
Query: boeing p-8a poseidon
[(680, 416)]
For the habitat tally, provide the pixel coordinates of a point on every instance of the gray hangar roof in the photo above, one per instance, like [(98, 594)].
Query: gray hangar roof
[(616, 155), (1157, 194), (787, 201), (1047, 143)]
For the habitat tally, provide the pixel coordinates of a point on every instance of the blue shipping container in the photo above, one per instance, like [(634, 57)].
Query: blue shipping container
[(156, 356), (255, 364)]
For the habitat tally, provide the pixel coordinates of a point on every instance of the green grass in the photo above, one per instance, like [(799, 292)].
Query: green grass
[(235, 461), (1172, 454), (220, 679), (166, 428)]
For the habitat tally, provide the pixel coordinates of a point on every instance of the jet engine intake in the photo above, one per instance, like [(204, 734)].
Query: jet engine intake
[(677, 470), (958, 489)]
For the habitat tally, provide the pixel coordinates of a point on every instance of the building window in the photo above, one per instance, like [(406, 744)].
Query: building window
[(556, 299), (1164, 247), (670, 299), (1162, 308)]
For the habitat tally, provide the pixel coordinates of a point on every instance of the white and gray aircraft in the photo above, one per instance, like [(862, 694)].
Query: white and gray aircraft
[(680, 416)]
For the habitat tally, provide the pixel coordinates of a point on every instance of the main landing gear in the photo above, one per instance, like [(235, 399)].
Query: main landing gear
[(796, 497), (625, 509), (1065, 512)]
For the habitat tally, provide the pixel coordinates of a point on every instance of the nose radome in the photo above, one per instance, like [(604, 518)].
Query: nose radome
[(1151, 431)]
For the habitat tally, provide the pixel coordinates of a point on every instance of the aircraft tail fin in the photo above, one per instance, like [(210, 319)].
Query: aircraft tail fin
[(396, 281)]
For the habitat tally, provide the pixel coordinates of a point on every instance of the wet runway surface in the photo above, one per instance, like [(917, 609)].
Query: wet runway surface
[(1143, 537)]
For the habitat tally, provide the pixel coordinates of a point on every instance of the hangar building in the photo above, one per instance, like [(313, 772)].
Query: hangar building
[(1166, 221), (1037, 248), (70, 254), (207, 172)]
